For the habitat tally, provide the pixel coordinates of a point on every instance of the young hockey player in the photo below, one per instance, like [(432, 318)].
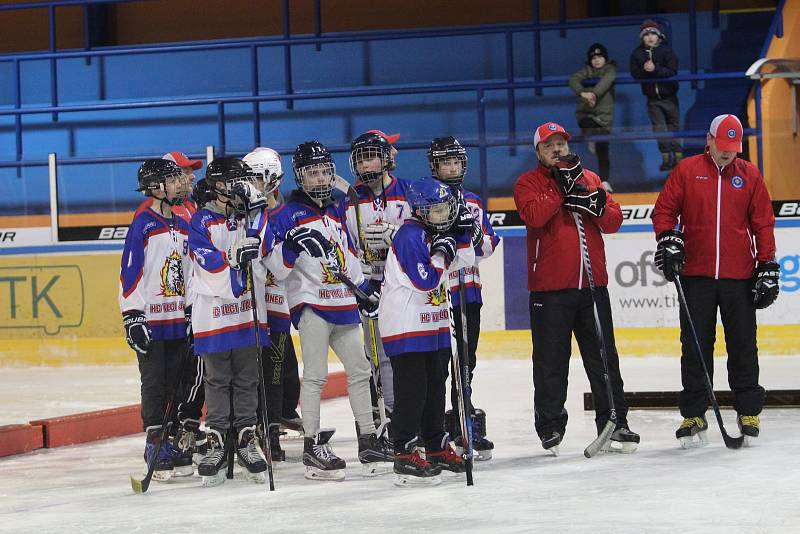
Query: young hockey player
[(415, 325), (154, 275), (222, 315), (312, 250), (382, 209), (448, 162)]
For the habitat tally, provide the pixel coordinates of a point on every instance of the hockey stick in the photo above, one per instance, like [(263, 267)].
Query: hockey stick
[(461, 376), (344, 186), (140, 486), (605, 435), (261, 385), (731, 443)]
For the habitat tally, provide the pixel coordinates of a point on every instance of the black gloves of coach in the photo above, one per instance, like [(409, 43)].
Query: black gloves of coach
[(312, 242), (670, 254), (446, 244), (137, 333), (566, 172), (765, 284), (587, 203)]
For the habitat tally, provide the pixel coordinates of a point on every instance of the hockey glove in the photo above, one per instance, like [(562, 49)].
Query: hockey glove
[(137, 333), (379, 235), (369, 306), (477, 234), (446, 245), (567, 172), (587, 203), (464, 220), (312, 242), (765, 284), (670, 254), (243, 251), (249, 195)]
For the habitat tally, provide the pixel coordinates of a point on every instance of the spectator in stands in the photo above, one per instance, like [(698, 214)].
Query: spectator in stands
[(594, 86), (650, 61)]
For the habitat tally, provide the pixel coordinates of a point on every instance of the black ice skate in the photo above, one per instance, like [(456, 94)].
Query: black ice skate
[(551, 441), (249, 455), (213, 465), (374, 456), (441, 453), (411, 469), (481, 446), (623, 440), (318, 457), (192, 440), (691, 428), (273, 441), (292, 421), (164, 467), (749, 426)]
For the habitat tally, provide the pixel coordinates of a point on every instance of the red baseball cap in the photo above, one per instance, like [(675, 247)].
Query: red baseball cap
[(181, 160), (546, 130), (391, 138), (727, 133)]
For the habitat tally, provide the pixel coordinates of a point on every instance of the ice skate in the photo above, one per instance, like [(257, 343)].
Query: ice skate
[(481, 447), (374, 457), (622, 441), (292, 421), (442, 454), (213, 465), (164, 468), (191, 439), (551, 442), (692, 432), (318, 457), (250, 456), (412, 470), (750, 427)]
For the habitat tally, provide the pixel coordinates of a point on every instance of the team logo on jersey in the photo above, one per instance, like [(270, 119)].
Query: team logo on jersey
[(270, 280), (172, 276), (336, 256), (438, 296), (737, 182)]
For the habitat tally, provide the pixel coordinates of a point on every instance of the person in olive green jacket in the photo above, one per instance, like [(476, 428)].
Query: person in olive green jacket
[(594, 86)]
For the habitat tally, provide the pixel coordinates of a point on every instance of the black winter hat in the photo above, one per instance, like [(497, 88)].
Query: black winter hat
[(597, 49)]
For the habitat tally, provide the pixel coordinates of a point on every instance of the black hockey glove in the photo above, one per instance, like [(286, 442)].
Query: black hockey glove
[(137, 333), (369, 306), (477, 234), (567, 172), (670, 254), (312, 242), (765, 284), (446, 244), (587, 203), (243, 251), (464, 220)]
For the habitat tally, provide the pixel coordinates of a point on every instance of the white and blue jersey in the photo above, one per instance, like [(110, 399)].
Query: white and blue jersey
[(472, 273), (222, 315), (413, 315), (308, 281)]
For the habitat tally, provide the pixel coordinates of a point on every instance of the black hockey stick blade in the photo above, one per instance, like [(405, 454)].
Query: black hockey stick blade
[(597, 445), (730, 442)]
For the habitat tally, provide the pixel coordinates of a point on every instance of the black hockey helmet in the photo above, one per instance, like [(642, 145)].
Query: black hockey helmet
[(222, 174), (443, 148), (312, 157), (153, 176), (369, 146)]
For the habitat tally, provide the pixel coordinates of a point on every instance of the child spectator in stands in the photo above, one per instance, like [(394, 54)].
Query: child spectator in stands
[(594, 86), (650, 61)]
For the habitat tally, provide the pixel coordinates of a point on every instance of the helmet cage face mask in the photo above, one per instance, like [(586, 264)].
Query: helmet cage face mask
[(369, 153), (266, 166), (437, 157), (308, 179), (224, 189), (440, 216), (163, 182)]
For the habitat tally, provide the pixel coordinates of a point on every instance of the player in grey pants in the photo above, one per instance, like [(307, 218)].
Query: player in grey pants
[(237, 368)]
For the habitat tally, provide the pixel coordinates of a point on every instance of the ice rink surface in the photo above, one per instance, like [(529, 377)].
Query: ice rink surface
[(660, 488)]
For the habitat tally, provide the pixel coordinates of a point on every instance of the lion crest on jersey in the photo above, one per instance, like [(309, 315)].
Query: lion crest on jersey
[(172, 276), (438, 296), (336, 255)]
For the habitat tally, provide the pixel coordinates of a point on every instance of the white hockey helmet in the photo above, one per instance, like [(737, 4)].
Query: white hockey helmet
[(266, 164)]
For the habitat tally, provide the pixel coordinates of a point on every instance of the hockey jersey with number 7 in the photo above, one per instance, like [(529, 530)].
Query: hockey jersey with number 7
[(413, 315), (222, 315)]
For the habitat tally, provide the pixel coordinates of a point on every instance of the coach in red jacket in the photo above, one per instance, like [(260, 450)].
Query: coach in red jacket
[(560, 298), (726, 252)]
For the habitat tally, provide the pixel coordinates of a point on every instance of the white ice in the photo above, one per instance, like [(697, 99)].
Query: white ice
[(660, 488)]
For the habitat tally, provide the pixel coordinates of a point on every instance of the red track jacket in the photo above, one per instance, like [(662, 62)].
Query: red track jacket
[(554, 250), (721, 213)]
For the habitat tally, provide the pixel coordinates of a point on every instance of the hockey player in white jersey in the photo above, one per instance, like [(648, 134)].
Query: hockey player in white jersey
[(448, 162), (382, 209), (415, 325), (313, 247), (154, 276), (222, 317)]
